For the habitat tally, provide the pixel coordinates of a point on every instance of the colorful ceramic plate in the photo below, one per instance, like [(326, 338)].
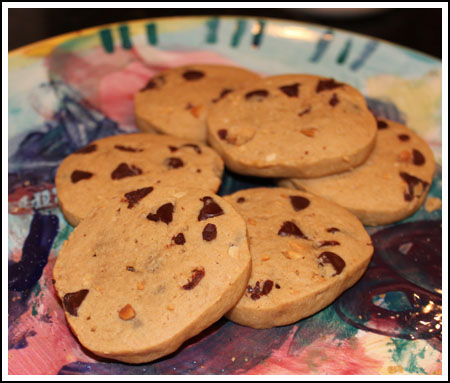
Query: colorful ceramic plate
[(69, 90)]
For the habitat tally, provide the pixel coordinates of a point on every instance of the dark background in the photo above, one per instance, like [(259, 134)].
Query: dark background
[(420, 29)]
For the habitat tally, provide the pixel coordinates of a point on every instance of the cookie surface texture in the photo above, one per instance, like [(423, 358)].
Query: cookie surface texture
[(305, 252), (127, 162), (390, 186), (143, 274), (177, 101), (292, 126)]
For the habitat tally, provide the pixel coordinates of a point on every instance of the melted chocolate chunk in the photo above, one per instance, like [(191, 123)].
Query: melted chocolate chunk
[(193, 75), (403, 137), (164, 214), (155, 83), (329, 243), (131, 268), (87, 149), (174, 162), (222, 133), (334, 100), (179, 239), (210, 209), (381, 124), (335, 260), (332, 230), (209, 232), (257, 95), (222, 94), (418, 158), (290, 90), (291, 229), (412, 181), (240, 200), (257, 292), (127, 149), (299, 203), (327, 85), (78, 175), (124, 170), (193, 146), (135, 196), (173, 148), (306, 111), (197, 275), (72, 301)]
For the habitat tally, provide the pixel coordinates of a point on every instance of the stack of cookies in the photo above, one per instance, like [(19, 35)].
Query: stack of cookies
[(157, 256)]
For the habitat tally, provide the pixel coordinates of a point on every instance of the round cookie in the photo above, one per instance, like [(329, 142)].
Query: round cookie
[(390, 186), (305, 252), (292, 126), (115, 164), (150, 270), (177, 101)]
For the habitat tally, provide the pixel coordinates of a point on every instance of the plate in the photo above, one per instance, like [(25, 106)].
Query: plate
[(69, 90)]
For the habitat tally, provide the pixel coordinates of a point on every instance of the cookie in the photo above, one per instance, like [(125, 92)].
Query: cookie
[(292, 126), (150, 269), (305, 252), (177, 101), (123, 162), (390, 186)]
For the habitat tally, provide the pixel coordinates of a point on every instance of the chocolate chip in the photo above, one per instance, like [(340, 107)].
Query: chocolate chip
[(299, 203), (193, 146), (173, 148), (127, 149), (306, 111), (329, 243), (418, 158), (174, 162), (197, 275), (332, 230), (240, 200), (193, 75), (179, 239), (131, 268), (124, 170), (155, 83), (209, 232), (164, 214), (222, 94), (78, 175), (381, 124), (257, 95), (403, 137), (327, 85), (135, 196), (222, 133), (334, 100), (210, 209), (412, 181), (72, 301), (87, 149), (335, 260), (290, 90), (291, 229), (277, 286)]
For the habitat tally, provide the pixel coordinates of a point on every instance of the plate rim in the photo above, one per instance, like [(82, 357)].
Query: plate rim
[(88, 30)]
